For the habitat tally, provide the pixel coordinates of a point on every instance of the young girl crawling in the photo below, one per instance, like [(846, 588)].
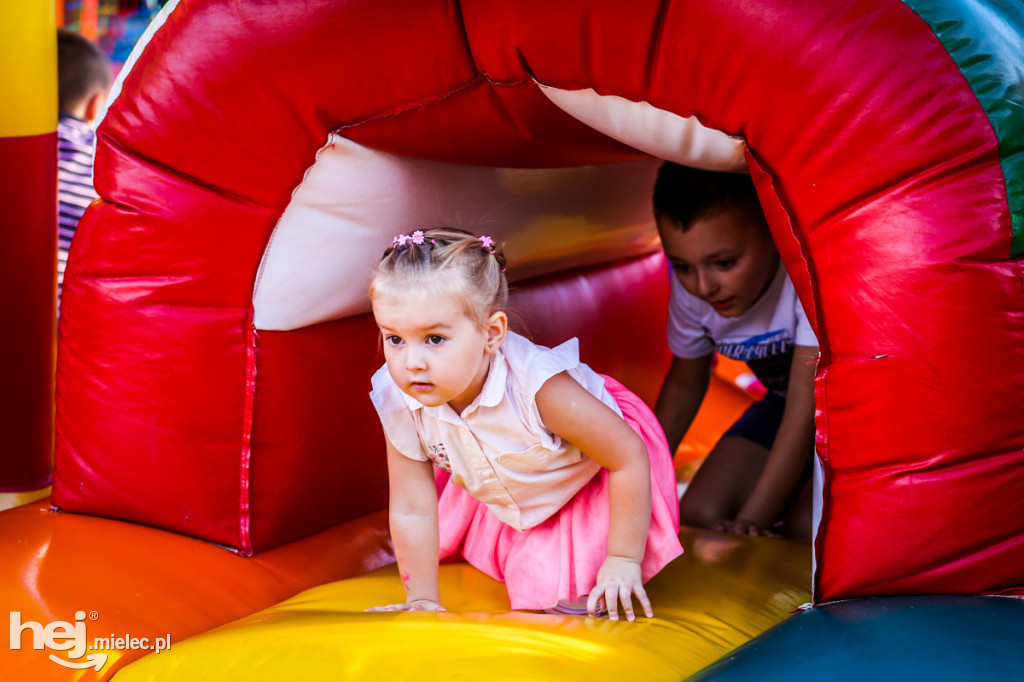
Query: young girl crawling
[(550, 477)]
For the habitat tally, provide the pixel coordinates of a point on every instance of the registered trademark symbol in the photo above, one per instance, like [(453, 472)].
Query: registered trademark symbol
[(93, 615)]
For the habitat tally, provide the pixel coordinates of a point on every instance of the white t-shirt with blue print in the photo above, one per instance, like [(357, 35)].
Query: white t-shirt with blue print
[(763, 337)]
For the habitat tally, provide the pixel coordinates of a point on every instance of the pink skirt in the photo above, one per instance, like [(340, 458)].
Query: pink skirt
[(559, 558)]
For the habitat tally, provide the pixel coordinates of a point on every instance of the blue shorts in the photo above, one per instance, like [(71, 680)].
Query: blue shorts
[(760, 422)]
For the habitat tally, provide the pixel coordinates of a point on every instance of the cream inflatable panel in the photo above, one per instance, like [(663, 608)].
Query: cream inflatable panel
[(317, 263), (319, 259), (643, 126)]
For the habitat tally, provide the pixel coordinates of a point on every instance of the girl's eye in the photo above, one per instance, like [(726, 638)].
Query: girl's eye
[(435, 339), (393, 340), (681, 267), (725, 263)]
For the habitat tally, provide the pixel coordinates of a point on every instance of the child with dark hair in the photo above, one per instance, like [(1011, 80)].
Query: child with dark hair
[(83, 78), (730, 293)]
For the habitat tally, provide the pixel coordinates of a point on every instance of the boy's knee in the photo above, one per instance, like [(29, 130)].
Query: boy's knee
[(699, 512), (798, 522)]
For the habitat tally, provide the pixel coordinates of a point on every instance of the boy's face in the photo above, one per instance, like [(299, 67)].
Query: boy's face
[(724, 259)]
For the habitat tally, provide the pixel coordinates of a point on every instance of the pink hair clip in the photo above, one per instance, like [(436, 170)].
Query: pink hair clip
[(487, 242), (400, 240), (417, 237)]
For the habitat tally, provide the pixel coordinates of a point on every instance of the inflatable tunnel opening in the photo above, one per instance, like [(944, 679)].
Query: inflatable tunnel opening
[(214, 346)]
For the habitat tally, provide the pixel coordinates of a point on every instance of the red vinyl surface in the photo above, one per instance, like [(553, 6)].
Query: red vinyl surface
[(28, 299), (877, 166)]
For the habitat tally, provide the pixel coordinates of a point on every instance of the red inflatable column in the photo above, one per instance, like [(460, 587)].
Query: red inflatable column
[(28, 242)]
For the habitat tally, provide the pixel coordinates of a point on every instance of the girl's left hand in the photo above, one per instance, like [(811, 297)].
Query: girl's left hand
[(618, 580)]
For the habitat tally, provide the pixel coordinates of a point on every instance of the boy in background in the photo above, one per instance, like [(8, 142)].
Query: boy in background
[(730, 293), (83, 79)]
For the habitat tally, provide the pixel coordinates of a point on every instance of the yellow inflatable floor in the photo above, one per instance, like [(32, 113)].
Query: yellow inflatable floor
[(722, 592), (12, 500)]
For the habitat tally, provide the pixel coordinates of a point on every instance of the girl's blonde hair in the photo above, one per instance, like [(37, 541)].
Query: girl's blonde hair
[(445, 261)]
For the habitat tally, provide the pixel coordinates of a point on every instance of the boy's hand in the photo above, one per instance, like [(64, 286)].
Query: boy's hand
[(414, 605), (617, 581), (742, 527)]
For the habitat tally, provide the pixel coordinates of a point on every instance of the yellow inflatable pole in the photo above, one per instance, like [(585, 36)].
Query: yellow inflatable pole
[(28, 241)]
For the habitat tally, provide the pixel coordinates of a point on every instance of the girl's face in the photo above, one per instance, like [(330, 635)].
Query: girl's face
[(434, 352), (724, 259)]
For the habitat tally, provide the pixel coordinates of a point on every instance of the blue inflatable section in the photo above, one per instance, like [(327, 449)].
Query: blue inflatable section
[(931, 639)]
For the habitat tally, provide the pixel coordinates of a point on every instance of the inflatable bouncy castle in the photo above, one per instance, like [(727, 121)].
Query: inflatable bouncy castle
[(216, 452)]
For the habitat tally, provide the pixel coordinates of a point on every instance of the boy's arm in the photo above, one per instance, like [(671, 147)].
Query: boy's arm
[(412, 513), (680, 397), (569, 411), (789, 453)]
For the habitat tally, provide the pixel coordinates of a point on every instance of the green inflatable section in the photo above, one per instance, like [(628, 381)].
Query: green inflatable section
[(986, 40)]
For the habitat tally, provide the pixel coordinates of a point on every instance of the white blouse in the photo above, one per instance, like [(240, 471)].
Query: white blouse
[(763, 337), (499, 448)]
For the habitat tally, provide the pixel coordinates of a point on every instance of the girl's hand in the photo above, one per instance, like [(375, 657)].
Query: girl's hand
[(617, 581), (414, 605), (742, 527)]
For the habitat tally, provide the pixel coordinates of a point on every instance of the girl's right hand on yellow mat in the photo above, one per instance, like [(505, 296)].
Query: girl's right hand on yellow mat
[(414, 605)]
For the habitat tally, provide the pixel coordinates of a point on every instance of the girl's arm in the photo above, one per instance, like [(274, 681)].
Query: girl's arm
[(788, 456), (680, 397), (569, 411), (413, 516)]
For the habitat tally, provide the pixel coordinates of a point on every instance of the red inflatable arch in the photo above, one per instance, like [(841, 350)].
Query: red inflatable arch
[(884, 179)]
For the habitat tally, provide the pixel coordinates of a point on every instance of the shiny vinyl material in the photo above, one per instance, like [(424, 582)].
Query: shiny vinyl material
[(28, 243), (722, 592), (888, 183), (146, 583), (945, 638)]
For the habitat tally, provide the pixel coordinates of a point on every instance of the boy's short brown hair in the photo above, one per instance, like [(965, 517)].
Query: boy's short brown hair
[(82, 69), (684, 195)]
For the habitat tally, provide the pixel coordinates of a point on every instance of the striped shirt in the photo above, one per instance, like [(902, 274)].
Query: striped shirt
[(76, 146)]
